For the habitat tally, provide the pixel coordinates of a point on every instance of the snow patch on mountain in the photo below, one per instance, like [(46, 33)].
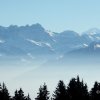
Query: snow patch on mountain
[(2, 41), (85, 45), (98, 38), (49, 32), (76, 46), (97, 46), (40, 43), (92, 33), (48, 44), (91, 37), (35, 42)]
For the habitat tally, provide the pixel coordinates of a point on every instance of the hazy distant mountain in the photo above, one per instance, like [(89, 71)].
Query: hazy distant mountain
[(34, 40), (91, 35), (91, 50), (66, 41), (21, 40)]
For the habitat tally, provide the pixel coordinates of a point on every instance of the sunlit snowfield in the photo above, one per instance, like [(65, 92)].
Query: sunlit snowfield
[(30, 74)]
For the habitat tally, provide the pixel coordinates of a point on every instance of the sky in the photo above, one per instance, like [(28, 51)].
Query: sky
[(54, 15)]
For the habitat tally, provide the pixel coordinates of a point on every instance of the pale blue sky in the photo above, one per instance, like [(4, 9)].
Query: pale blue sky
[(54, 15)]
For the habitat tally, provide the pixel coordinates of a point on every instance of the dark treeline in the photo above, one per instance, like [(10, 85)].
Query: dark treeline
[(75, 90)]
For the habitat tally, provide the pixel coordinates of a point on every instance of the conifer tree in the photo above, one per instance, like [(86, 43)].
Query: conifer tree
[(95, 92), (43, 93), (0, 91), (4, 94), (60, 93), (27, 97), (19, 95), (77, 90), (16, 97)]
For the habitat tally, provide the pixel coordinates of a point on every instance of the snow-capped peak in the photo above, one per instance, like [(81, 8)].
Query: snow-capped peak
[(49, 32), (92, 31)]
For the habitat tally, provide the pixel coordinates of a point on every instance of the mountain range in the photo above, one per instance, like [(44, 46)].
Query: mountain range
[(35, 41)]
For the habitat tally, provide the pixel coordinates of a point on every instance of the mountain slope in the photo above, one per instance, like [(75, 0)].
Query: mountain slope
[(36, 41), (16, 40)]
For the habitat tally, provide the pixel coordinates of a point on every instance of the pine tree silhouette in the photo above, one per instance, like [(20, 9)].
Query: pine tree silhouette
[(43, 93), (16, 97), (19, 95), (95, 92), (27, 97), (60, 93), (4, 95), (77, 90)]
